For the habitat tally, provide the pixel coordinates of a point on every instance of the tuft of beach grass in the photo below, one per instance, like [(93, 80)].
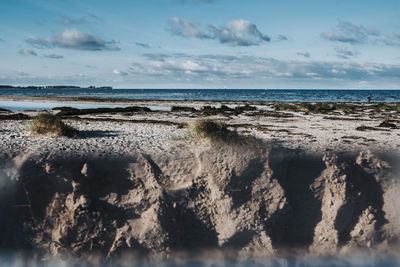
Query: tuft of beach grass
[(49, 124), (218, 132)]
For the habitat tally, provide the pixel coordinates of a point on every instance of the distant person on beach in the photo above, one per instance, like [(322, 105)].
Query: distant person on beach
[(369, 98)]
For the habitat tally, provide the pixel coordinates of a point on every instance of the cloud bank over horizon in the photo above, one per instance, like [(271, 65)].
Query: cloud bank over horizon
[(211, 70), (220, 67)]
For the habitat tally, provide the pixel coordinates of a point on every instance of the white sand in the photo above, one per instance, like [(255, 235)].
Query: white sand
[(99, 138), (311, 132)]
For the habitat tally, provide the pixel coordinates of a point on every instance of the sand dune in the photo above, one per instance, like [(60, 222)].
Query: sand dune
[(257, 203)]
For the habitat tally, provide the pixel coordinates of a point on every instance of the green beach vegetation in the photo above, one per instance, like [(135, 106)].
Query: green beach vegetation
[(49, 124), (320, 107), (323, 107), (218, 132)]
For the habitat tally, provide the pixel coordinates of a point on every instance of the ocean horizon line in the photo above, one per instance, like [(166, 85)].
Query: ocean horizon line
[(54, 87)]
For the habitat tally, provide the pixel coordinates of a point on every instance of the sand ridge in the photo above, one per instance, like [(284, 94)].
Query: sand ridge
[(256, 203)]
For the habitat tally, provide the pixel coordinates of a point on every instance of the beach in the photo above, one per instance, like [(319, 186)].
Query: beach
[(322, 180), (156, 129)]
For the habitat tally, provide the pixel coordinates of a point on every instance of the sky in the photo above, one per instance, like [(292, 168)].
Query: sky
[(201, 43)]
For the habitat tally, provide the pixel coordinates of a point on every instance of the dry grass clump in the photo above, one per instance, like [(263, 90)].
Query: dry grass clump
[(218, 132), (387, 107), (286, 107), (186, 109), (326, 107), (49, 124), (246, 107), (382, 107), (225, 110)]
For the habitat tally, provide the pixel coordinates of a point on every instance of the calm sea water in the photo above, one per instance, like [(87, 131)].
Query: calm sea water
[(281, 95)]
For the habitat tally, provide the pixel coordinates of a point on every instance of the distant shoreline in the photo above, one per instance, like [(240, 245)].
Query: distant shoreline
[(39, 87), (167, 102), (202, 95), (53, 87)]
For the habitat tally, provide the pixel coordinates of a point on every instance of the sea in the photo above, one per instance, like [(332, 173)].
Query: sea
[(269, 95)]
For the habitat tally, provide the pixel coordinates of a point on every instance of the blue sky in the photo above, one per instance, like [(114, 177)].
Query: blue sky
[(201, 43)]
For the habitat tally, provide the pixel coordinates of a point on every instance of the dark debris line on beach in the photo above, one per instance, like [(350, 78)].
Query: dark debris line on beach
[(180, 125), (68, 111), (210, 110), (388, 124), (322, 107), (17, 116)]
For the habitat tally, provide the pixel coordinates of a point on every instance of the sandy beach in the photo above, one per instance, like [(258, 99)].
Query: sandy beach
[(157, 130), (321, 182)]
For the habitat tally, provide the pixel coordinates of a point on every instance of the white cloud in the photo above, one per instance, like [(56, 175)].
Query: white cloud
[(142, 45), (54, 56), (347, 32), (27, 52), (74, 39), (235, 33), (239, 33), (304, 54), (345, 53), (282, 37), (184, 28), (392, 39), (121, 73)]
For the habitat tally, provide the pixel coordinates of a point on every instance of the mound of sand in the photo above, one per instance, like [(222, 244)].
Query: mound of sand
[(252, 203)]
